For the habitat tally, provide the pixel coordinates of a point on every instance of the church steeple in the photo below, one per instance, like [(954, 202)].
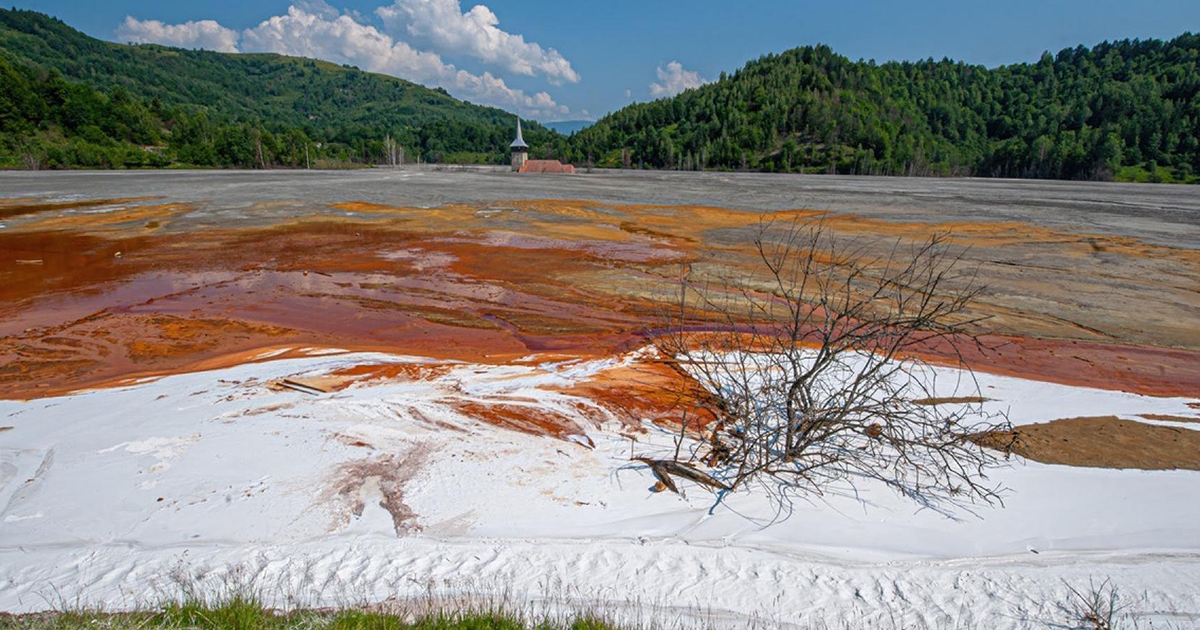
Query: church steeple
[(519, 143), (520, 150)]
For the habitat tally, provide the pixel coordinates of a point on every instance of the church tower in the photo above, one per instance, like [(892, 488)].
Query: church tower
[(520, 150)]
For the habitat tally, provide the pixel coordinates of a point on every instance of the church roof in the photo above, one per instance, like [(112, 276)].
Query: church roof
[(547, 166), (519, 143)]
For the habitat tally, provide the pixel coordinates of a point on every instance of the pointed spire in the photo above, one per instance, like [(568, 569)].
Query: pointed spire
[(519, 143)]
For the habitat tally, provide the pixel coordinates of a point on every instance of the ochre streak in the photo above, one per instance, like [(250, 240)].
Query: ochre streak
[(89, 300)]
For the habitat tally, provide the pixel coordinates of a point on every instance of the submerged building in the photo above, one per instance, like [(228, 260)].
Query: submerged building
[(520, 150), (522, 164), (547, 166)]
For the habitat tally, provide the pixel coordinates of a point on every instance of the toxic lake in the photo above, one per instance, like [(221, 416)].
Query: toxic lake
[(379, 384)]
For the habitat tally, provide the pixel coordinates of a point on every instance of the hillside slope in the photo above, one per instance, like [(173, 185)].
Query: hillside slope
[(1126, 110), (333, 105)]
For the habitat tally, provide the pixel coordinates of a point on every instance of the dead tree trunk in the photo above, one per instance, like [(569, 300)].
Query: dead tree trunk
[(816, 368)]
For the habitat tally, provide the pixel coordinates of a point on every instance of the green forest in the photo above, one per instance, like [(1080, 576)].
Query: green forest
[(1128, 110), (71, 101)]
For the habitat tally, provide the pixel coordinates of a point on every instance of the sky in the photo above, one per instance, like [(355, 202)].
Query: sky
[(566, 60)]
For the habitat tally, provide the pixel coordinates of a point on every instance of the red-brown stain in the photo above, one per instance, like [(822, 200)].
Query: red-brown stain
[(116, 295), (526, 418)]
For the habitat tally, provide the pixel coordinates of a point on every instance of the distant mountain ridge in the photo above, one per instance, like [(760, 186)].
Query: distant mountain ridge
[(348, 112), (1127, 110)]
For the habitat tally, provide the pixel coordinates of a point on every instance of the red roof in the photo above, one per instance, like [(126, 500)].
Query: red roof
[(547, 166)]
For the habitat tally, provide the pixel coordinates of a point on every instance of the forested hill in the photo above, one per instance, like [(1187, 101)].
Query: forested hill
[(67, 99), (1128, 110)]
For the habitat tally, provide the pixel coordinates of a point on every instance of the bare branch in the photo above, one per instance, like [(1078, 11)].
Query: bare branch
[(815, 373)]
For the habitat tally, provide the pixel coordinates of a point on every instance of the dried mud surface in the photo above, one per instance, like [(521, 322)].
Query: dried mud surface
[(1103, 442), (108, 278)]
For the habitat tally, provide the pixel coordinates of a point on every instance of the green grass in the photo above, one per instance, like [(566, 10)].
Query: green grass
[(246, 613), (238, 606)]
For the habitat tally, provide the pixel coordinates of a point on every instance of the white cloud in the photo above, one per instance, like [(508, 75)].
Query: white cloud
[(205, 34), (340, 39), (674, 80), (491, 90), (442, 25), (314, 29), (628, 93)]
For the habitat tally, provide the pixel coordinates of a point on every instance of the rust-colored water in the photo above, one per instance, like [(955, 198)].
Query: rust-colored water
[(94, 299)]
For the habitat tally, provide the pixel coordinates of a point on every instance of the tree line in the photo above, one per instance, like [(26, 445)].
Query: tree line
[(1126, 110), (71, 101)]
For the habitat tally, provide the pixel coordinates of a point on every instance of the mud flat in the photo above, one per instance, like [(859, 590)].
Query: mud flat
[(1163, 214), (349, 380)]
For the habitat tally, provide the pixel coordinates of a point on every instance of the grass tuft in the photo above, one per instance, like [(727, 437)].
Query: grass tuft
[(239, 612), (244, 613)]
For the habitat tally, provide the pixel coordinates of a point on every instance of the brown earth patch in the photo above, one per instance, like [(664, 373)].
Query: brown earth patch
[(1102, 442), (1169, 418)]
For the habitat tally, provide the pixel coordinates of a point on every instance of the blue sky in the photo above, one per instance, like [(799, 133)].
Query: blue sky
[(568, 60)]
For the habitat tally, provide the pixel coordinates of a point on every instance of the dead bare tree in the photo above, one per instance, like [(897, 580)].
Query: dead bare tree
[(31, 153), (1097, 607), (816, 373)]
